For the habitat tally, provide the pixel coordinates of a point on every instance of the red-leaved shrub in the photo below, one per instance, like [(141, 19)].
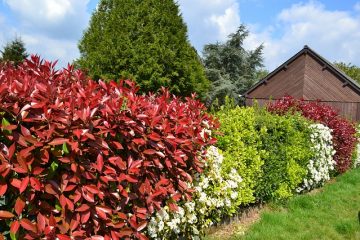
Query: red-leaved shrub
[(343, 130), (84, 159)]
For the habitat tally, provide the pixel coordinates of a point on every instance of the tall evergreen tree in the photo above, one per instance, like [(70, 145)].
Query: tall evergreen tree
[(14, 52), (232, 69), (145, 40)]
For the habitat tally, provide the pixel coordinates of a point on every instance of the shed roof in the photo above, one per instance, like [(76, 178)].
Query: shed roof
[(307, 50)]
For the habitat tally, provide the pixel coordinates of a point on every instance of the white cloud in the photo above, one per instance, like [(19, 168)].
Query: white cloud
[(49, 28), (42, 10), (333, 34), (63, 50), (228, 22), (210, 20), (57, 18)]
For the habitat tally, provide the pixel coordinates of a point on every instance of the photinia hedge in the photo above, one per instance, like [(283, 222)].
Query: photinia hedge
[(84, 159), (343, 131)]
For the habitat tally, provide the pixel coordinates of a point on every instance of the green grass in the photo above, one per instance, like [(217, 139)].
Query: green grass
[(331, 213)]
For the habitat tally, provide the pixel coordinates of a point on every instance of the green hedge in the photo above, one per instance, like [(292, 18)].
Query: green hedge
[(286, 141), (241, 144), (270, 152)]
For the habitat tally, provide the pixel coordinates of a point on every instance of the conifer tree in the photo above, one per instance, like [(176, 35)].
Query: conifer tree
[(14, 52), (232, 69), (145, 40)]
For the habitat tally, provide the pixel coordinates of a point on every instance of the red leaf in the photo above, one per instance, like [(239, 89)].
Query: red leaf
[(85, 216), (97, 237), (101, 213), (99, 162), (49, 188), (139, 141), (62, 201), (118, 145), (69, 188), (19, 205), (62, 237), (3, 188), (24, 184), (83, 208), (35, 184), (24, 131), (92, 188), (141, 226), (28, 225), (88, 196), (15, 182), (41, 221), (14, 227), (155, 137), (12, 150), (125, 232), (58, 141), (149, 151), (6, 214)]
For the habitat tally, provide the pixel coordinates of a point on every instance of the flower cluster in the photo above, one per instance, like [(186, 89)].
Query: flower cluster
[(323, 162), (356, 160), (344, 131), (215, 196)]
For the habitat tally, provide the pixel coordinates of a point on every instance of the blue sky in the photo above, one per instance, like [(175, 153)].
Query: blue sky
[(52, 28)]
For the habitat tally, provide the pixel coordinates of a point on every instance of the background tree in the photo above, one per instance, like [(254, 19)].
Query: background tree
[(14, 51), (232, 69), (351, 70), (145, 40)]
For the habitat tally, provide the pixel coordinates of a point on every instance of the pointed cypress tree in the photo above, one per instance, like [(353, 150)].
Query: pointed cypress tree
[(145, 40), (14, 52)]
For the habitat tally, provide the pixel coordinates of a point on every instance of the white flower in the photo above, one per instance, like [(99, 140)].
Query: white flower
[(319, 168), (215, 194)]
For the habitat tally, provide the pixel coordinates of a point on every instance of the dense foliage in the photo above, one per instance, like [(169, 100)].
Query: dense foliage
[(80, 158), (351, 70), (14, 52), (231, 68), (215, 197), (241, 144), (260, 146), (286, 141), (145, 41), (343, 131)]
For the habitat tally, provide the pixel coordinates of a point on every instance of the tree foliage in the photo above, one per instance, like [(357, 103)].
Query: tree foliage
[(230, 67), (143, 40), (14, 52), (351, 70)]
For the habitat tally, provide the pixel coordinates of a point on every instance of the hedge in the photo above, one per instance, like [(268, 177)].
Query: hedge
[(84, 159), (344, 131), (81, 159)]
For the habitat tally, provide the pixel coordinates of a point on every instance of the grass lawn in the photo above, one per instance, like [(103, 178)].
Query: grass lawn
[(329, 213)]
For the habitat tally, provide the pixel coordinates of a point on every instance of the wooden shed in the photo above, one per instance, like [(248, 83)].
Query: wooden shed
[(309, 76)]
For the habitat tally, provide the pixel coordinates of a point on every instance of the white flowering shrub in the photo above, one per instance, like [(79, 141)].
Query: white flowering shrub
[(215, 196), (323, 163), (356, 155)]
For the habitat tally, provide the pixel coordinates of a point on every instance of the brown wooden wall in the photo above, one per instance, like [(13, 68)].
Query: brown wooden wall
[(349, 110), (321, 83), (308, 78), (289, 81)]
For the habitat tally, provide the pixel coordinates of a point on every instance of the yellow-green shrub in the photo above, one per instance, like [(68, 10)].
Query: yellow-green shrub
[(286, 140), (242, 148), (270, 152)]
